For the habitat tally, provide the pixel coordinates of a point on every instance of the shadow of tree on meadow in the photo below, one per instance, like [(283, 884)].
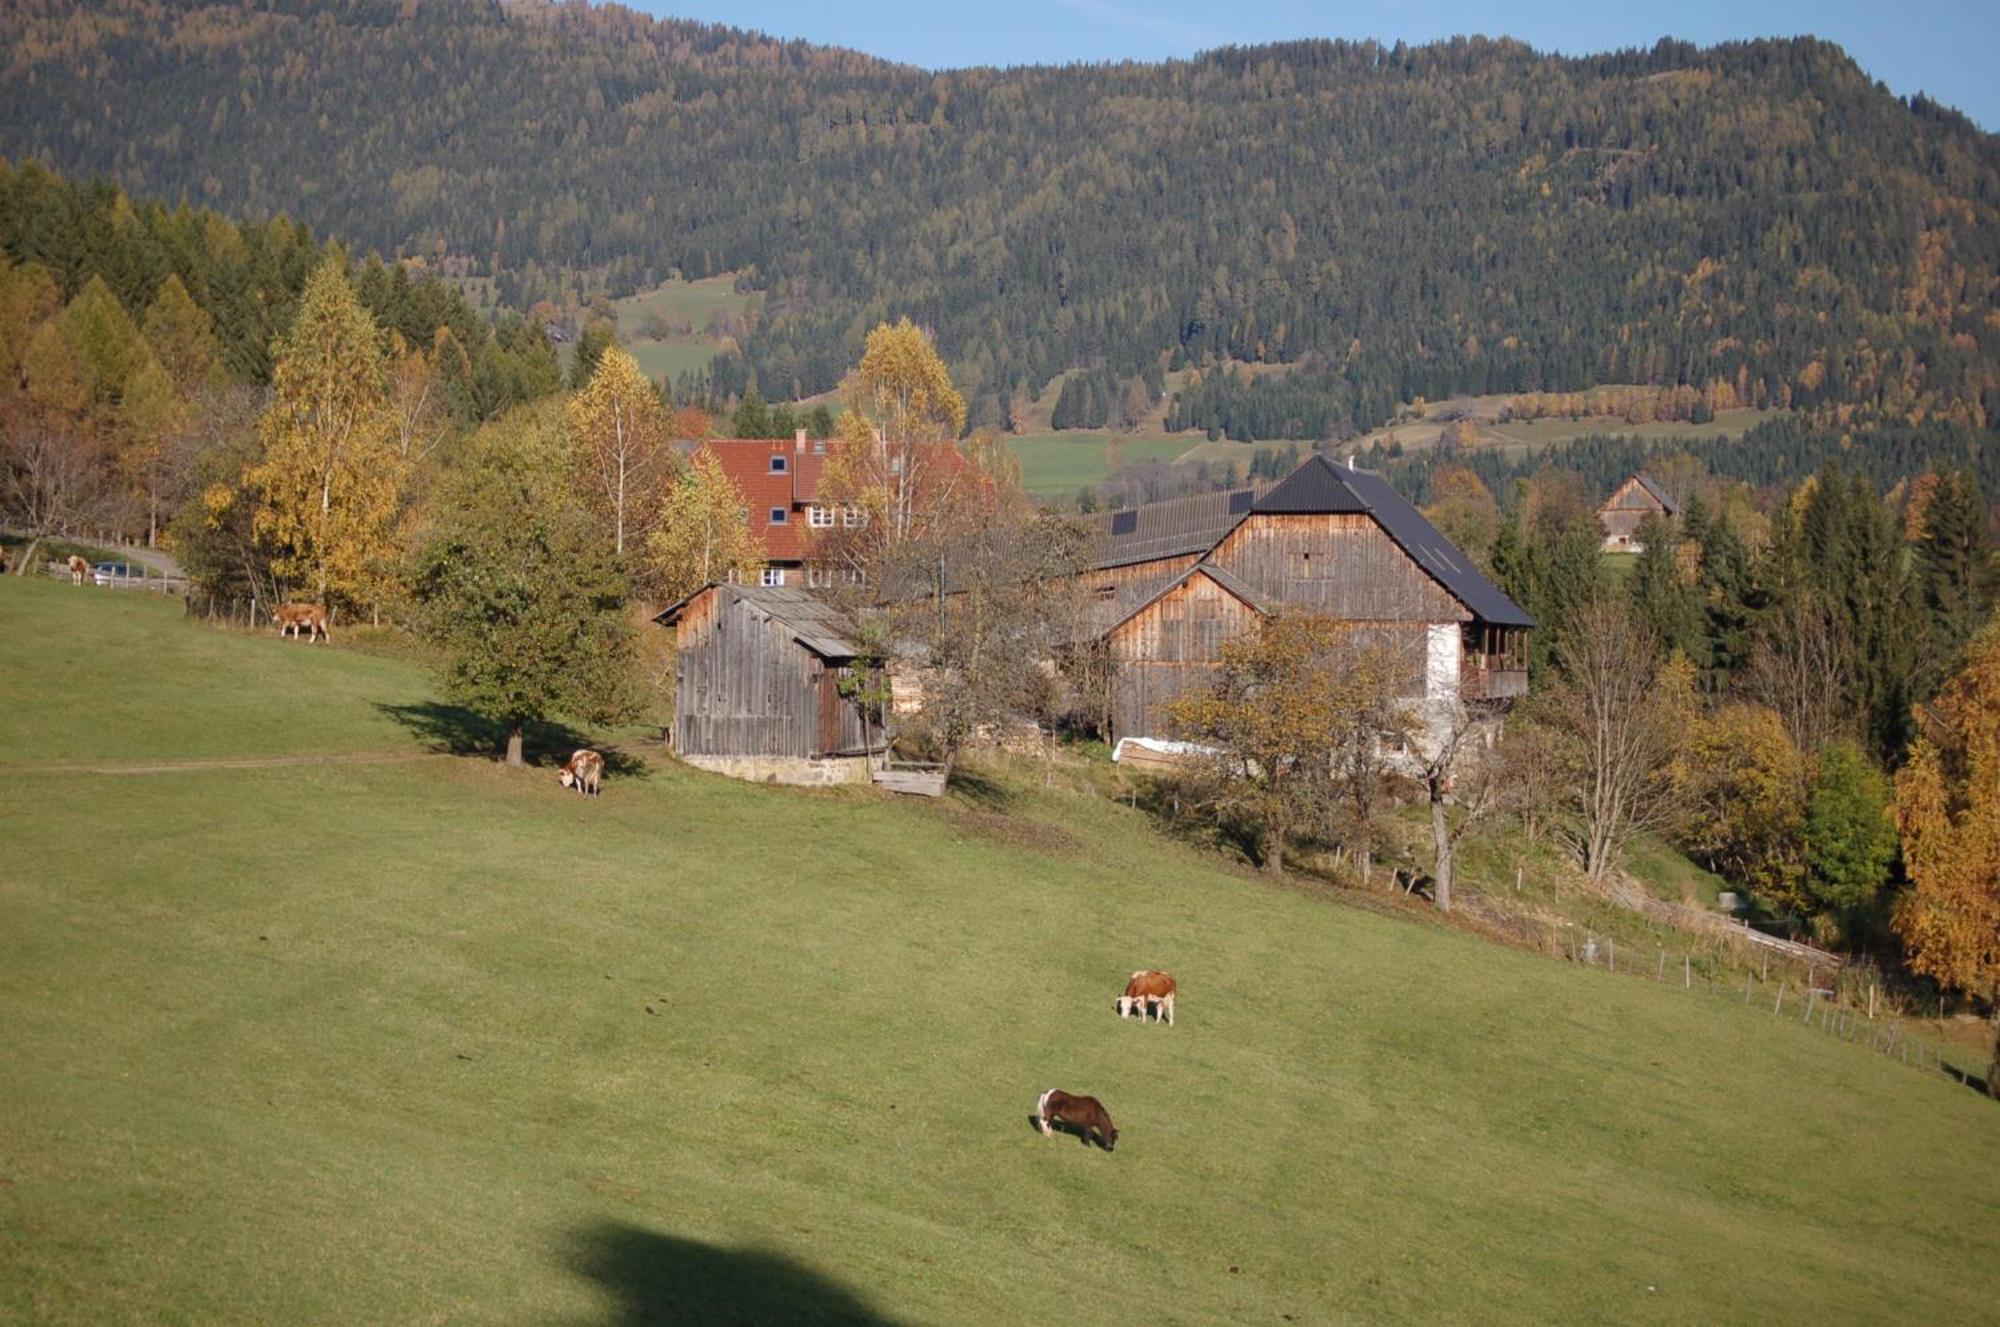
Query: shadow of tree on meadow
[(660, 1279), (455, 730)]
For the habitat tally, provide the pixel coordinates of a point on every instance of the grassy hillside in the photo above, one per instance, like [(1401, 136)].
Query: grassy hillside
[(684, 310), (434, 1041)]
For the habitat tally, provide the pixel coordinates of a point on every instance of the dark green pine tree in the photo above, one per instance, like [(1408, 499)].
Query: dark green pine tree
[(1661, 595), (752, 419), (1955, 564), (590, 347)]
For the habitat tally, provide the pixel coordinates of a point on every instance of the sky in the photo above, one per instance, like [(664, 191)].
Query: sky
[(1945, 48)]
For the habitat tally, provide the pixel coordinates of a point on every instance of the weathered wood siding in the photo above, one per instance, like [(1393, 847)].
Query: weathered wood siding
[(746, 687), (1622, 512), (1125, 588), (1170, 650), (1341, 564)]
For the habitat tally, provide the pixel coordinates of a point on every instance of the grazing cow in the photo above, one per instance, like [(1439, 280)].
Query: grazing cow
[(79, 570), (1084, 1114), (584, 772), (308, 618), (1148, 991)]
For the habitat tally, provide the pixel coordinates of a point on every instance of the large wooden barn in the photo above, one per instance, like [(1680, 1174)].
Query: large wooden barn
[(758, 686), (1176, 579), (1631, 503)]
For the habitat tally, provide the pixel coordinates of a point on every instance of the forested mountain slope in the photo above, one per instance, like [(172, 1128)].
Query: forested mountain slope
[(1469, 216)]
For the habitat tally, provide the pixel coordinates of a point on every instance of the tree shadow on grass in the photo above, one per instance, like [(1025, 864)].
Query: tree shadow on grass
[(981, 790), (660, 1279), (455, 730)]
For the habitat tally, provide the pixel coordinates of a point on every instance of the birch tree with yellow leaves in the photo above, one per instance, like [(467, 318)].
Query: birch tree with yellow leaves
[(330, 476)]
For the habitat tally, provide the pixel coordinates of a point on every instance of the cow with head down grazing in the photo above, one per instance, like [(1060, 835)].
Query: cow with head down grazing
[(1148, 991), (1085, 1115), (584, 772)]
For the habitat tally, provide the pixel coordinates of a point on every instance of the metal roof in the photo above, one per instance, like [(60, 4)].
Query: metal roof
[(1659, 494), (1320, 486), (812, 622), (1173, 528)]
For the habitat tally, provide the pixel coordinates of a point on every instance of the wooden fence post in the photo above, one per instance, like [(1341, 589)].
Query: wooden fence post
[(1812, 993), (1687, 972), (1780, 1004)]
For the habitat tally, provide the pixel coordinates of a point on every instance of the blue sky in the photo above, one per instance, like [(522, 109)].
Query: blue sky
[(1947, 48)]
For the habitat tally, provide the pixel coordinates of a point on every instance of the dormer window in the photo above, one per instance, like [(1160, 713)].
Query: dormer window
[(819, 517), (778, 462), (779, 516)]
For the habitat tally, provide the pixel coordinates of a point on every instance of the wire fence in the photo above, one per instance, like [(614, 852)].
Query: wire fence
[(226, 610), (1844, 1000)]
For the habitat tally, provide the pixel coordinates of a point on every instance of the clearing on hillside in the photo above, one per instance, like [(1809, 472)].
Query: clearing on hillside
[(436, 1041)]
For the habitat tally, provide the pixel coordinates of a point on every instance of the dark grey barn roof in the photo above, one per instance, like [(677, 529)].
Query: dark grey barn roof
[(1658, 493), (812, 622), (1320, 486), (1173, 528)]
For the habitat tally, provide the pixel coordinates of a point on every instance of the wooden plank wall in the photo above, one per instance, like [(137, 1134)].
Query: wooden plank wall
[(1339, 564), (745, 687), (1169, 651)]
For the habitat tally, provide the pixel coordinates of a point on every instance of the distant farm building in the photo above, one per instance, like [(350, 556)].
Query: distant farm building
[(758, 686), (1176, 579), (1624, 511)]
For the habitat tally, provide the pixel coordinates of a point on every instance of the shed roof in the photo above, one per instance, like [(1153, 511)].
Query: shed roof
[(1227, 580), (814, 623), (1319, 486)]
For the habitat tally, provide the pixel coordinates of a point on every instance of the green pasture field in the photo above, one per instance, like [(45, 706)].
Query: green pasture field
[(432, 1040), (692, 302), (1058, 464)]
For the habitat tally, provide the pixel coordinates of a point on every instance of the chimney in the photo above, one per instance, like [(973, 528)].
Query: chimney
[(799, 439)]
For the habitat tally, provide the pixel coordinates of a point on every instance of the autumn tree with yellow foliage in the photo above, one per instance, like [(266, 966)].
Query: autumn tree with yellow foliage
[(1948, 814), (702, 534), (331, 473), (620, 430)]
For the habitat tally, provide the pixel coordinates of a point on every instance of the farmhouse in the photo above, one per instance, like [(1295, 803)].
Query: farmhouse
[(1635, 500), (779, 479), (758, 686), (1176, 579)]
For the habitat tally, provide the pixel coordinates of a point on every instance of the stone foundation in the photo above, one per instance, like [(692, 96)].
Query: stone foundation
[(797, 770)]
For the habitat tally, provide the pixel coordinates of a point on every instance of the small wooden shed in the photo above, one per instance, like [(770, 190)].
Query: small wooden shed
[(759, 678)]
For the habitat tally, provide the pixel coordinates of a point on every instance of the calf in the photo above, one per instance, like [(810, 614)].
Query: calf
[(584, 772), (1148, 990), (295, 618), (1084, 1114), (79, 571)]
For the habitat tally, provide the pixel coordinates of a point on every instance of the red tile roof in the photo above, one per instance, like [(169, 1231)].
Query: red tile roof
[(747, 461)]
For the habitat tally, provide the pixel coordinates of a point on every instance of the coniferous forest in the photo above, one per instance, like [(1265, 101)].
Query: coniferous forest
[(1393, 222)]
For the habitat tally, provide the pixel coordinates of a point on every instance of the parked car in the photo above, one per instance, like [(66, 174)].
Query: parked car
[(108, 573)]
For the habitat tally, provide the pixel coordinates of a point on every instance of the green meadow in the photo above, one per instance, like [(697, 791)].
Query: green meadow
[(388, 1035), (1058, 464)]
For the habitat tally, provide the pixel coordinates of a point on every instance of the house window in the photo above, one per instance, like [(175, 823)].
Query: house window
[(851, 515), (773, 576), (819, 517), (777, 464), (818, 578), (779, 516)]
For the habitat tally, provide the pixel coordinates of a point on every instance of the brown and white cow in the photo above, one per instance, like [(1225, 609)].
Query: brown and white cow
[(1148, 991), (584, 772), (1086, 1115), (308, 618), (79, 570)]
